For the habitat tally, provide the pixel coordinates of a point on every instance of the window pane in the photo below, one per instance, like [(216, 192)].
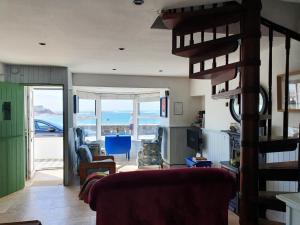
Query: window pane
[(148, 119), (87, 107), (89, 127), (116, 116), (149, 108)]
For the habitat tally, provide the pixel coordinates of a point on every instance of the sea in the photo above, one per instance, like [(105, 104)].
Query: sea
[(107, 118)]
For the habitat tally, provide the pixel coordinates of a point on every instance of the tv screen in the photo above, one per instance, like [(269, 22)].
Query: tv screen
[(194, 138)]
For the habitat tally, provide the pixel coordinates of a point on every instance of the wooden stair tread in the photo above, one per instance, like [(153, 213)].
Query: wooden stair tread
[(208, 74), (227, 94), (271, 194), (277, 144), (280, 171), (269, 222), (268, 200), (280, 165), (208, 49), (186, 21)]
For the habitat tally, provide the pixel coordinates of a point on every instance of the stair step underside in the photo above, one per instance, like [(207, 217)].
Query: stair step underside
[(184, 21), (209, 73), (268, 200), (277, 144), (281, 171), (268, 222), (208, 49)]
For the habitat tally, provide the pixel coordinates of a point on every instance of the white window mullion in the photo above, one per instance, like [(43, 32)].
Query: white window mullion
[(135, 118), (98, 119)]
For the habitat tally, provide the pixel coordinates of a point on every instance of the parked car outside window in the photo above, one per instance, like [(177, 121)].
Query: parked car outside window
[(44, 128)]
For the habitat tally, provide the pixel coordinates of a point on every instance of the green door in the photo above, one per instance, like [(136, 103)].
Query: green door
[(12, 148)]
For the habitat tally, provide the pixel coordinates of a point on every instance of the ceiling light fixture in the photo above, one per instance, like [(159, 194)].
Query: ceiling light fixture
[(121, 49), (42, 43), (138, 2), (114, 69), (160, 71)]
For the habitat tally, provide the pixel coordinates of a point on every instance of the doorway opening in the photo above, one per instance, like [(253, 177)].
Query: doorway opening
[(45, 135)]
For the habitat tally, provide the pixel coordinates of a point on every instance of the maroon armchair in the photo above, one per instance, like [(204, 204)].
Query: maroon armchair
[(197, 196)]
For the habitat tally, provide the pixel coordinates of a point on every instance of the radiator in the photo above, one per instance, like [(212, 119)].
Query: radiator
[(216, 146)]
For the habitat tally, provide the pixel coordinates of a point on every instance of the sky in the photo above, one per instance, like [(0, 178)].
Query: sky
[(50, 99)]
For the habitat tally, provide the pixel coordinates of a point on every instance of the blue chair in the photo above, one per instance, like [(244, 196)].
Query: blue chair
[(118, 144)]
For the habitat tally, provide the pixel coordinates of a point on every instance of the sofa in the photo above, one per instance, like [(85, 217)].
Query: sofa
[(197, 196)]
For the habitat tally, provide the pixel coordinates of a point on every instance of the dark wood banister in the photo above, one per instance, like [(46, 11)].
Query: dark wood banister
[(278, 28)]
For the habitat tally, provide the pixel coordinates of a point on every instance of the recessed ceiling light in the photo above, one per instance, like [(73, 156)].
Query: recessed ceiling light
[(138, 2), (114, 69), (121, 49), (160, 71), (42, 43)]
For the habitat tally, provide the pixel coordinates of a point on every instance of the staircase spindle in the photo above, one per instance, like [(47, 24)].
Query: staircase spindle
[(202, 40), (214, 64), (286, 85), (227, 34), (214, 89), (192, 39), (227, 86), (191, 68), (270, 82), (181, 42)]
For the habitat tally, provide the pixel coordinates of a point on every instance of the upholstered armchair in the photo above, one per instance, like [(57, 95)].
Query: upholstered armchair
[(186, 196), (89, 164), (150, 153), (94, 146)]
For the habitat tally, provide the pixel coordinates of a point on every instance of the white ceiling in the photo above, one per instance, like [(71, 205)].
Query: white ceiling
[(85, 35)]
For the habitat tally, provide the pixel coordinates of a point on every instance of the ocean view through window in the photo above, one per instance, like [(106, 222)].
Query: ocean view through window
[(118, 116)]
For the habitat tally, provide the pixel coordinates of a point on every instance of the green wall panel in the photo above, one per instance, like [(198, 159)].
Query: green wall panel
[(12, 149)]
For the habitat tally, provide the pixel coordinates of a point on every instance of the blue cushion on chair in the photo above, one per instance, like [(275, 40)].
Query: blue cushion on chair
[(85, 154)]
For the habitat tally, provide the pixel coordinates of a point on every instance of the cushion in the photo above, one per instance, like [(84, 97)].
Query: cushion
[(85, 154)]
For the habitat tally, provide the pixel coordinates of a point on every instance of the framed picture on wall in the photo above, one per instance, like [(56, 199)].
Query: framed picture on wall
[(164, 107), (178, 108)]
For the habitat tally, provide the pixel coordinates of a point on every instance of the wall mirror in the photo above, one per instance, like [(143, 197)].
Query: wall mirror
[(294, 92), (234, 105)]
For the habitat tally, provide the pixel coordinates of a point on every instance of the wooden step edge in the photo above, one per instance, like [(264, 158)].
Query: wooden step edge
[(280, 165), (227, 94), (172, 18), (272, 194), (269, 222), (207, 46), (207, 74)]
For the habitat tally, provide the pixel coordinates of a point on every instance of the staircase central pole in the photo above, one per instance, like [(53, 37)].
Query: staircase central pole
[(250, 79)]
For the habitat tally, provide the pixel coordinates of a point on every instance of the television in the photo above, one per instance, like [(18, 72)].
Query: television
[(194, 138)]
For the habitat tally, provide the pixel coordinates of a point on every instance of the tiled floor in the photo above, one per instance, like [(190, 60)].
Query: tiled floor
[(42, 164)]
